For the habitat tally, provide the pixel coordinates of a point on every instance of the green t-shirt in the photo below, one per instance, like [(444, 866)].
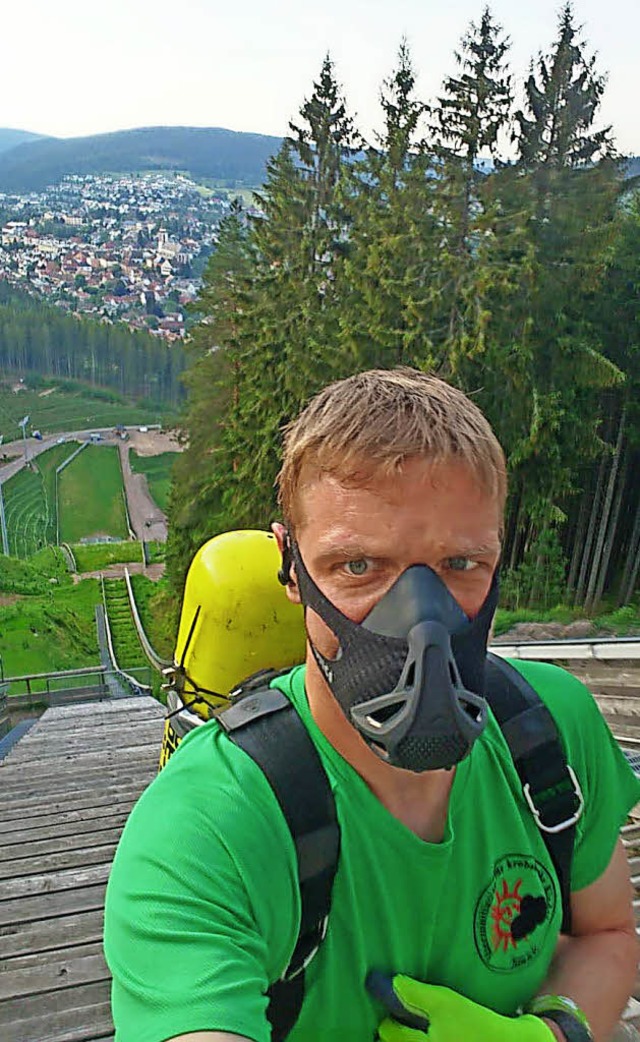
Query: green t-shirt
[(203, 906)]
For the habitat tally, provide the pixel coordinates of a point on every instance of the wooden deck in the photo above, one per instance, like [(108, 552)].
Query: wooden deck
[(66, 790)]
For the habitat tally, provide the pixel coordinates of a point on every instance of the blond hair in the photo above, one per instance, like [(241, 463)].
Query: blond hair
[(374, 421)]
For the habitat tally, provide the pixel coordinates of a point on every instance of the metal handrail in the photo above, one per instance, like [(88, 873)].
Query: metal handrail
[(158, 663), (582, 648)]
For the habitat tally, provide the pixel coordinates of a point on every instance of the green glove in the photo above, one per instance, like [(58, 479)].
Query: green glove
[(453, 1018)]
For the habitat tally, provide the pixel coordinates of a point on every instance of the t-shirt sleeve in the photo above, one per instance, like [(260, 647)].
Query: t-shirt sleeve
[(194, 922), (609, 786)]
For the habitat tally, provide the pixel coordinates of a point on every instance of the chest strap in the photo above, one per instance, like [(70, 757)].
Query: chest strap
[(549, 783), (265, 724)]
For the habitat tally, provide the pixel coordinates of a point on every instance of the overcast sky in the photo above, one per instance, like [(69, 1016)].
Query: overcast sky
[(72, 67)]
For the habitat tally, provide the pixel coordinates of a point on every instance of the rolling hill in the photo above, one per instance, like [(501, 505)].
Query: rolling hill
[(206, 152), (12, 138)]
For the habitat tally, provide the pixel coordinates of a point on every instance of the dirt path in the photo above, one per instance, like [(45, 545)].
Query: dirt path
[(147, 520)]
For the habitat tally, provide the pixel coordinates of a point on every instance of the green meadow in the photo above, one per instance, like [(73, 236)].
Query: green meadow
[(90, 496)]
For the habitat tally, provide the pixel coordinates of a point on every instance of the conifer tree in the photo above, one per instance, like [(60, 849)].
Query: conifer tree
[(557, 204), (273, 325), (392, 252), (563, 94), (469, 120), (213, 380)]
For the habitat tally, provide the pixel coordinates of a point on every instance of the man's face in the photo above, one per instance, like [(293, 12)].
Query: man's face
[(356, 541)]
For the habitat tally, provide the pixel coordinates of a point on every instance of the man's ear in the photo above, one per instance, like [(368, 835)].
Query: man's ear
[(287, 571)]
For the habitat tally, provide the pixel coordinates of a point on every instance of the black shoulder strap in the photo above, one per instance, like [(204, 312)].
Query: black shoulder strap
[(265, 724), (549, 783)]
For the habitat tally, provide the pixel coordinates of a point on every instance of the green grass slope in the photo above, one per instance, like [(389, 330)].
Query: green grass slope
[(57, 409), (126, 646), (90, 496), (46, 622), (30, 502), (94, 557)]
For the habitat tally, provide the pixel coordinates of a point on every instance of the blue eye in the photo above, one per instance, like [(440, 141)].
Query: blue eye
[(461, 564), (358, 567)]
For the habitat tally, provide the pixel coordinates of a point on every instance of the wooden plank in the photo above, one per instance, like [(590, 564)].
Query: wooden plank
[(58, 776), (108, 757), (81, 785), (53, 882), (121, 736), (114, 705), (69, 1015), (87, 721), (52, 821), (67, 794), (94, 741), (62, 970), (78, 800), (28, 866), (66, 828), (59, 844), (48, 906), (104, 760), (98, 775), (24, 962), (61, 731), (52, 934)]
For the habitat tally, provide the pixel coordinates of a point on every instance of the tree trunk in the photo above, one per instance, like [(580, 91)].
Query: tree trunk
[(632, 564), (586, 552), (613, 526), (578, 542), (515, 534), (606, 510)]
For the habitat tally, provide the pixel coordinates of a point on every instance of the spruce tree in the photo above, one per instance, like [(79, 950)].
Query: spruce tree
[(562, 96), (268, 338), (213, 381), (469, 121), (556, 205), (386, 318)]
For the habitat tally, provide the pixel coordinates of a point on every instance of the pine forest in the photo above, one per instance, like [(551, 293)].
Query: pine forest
[(36, 338)]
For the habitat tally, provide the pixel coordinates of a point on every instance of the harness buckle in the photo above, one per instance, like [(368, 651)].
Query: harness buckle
[(568, 822), (292, 972)]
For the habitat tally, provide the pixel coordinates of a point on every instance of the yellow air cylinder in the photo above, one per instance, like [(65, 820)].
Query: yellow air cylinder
[(236, 617)]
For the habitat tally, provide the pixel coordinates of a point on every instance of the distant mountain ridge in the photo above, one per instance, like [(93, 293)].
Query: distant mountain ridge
[(633, 167), (10, 138), (206, 152), (30, 162)]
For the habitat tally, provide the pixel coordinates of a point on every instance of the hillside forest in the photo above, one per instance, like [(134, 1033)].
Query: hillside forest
[(517, 280), (36, 338), (210, 153)]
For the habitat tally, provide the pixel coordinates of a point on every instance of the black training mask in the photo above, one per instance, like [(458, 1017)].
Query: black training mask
[(410, 676)]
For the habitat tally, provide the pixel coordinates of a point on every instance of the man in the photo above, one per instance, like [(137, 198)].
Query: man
[(392, 490)]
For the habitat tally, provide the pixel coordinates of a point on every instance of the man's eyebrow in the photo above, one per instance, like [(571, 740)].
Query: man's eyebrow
[(344, 550), (479, 550)]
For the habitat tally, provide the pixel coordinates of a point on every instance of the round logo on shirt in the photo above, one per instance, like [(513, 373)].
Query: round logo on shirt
[(514, 912)]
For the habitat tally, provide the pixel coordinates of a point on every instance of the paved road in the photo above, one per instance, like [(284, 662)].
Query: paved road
[(34, 446)]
